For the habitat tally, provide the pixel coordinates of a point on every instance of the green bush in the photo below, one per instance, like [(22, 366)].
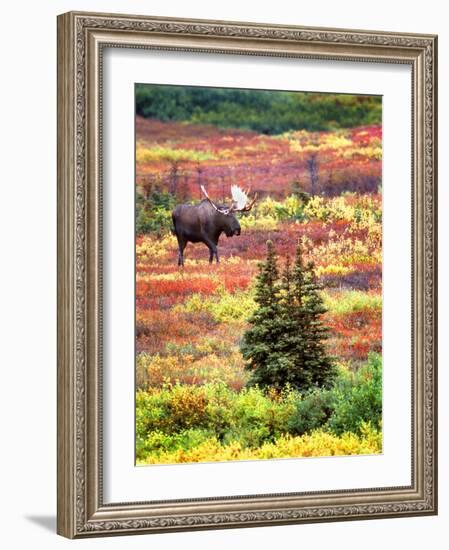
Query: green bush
[(170, 410), (354, 401), (257, 417), (154, 214), (180, 417), (157, 442), (311, 412), (250, 417), (357, 399)]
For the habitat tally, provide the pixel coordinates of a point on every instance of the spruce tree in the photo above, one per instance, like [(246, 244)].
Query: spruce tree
[(313, 366), (291, 339), (259, 342), (285, 344), (294, 337)]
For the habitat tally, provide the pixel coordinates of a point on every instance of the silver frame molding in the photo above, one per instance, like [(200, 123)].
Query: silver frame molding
[(81, 39)]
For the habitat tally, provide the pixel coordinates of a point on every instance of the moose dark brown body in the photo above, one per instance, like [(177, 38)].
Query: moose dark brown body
[(206, 221), (203, 223)]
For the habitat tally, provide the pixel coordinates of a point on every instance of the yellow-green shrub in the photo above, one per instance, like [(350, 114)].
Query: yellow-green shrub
[(224, 307), (352, 300), (316, 444)]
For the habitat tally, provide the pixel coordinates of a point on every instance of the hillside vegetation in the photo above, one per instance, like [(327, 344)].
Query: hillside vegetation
[(315, 161)]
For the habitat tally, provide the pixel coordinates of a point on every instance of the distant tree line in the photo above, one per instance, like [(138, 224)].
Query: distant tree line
[(268, 112)]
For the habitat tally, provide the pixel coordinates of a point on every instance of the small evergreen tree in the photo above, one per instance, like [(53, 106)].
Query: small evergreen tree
[(285, 344), (313, 366), (259, 342)]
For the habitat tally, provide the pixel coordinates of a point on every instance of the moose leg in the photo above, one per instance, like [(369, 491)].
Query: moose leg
[(212, 250), (181, 244)]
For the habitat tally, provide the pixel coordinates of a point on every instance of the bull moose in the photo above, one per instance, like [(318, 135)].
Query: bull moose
[(206, 221)]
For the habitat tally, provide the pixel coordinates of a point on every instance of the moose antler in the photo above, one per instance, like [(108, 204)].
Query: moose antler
[(222, 211), (240, 199)]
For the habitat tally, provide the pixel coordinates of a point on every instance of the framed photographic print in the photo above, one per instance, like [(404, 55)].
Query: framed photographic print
[(246, 274)]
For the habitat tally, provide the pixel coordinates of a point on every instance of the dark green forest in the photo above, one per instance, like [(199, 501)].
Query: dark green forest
[(267, 112)]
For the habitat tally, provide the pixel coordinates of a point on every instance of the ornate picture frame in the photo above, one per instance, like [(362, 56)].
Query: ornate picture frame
[(82, 39)]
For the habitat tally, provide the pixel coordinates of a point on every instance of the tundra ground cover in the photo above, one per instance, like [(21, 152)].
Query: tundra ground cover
[(321, 189)]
